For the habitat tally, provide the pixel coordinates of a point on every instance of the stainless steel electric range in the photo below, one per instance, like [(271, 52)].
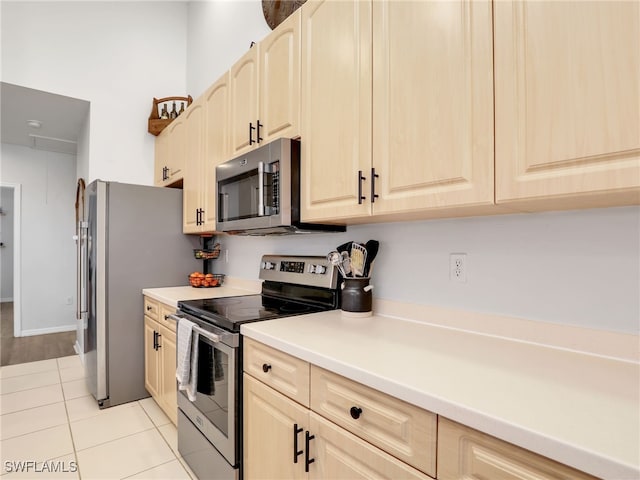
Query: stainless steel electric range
[(210, 427)]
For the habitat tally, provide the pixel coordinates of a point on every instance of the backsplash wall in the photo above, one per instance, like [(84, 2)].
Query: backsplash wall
[(577, 267)]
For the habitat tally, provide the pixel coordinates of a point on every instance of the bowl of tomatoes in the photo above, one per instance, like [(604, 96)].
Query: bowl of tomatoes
[(205, 280)]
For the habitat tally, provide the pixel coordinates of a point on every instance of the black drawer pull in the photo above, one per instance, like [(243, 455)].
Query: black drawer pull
[(355, 412), (307, 461), (296, 452), (149, 307), (266, 367)]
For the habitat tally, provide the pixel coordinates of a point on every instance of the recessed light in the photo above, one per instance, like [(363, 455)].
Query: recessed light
[(34, 123)]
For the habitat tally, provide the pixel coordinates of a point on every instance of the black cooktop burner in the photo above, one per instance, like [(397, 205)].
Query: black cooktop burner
[(230, 312)]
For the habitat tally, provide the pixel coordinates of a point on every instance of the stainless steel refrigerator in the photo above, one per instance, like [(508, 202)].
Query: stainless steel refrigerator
[(132, 239)]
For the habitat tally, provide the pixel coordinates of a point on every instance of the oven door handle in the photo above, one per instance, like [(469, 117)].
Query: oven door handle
[(201, 331)]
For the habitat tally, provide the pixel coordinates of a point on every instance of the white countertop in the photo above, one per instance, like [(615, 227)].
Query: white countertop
[(172, 295), (579, 409)]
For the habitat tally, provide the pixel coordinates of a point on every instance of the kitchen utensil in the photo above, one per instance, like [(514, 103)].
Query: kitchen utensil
[(358, 259), (372, 247), (335, 259), (345, 247), (346, 263)]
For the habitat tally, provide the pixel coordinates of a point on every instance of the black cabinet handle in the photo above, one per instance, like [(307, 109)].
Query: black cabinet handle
[(296, 452), (266, 367), (165, 173), (251, 129), (374, 175), (361, 178), (355, 412), (307, 461), (258, 137), (155, 340), (149, 308), (199, 215)]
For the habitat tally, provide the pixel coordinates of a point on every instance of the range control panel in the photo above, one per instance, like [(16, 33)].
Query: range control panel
[(303, 270)]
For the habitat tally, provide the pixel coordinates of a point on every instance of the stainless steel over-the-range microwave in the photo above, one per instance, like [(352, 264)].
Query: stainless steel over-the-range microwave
[(259, 192)]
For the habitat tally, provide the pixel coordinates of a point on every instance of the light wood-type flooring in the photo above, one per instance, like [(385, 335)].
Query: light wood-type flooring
[(33, 348)]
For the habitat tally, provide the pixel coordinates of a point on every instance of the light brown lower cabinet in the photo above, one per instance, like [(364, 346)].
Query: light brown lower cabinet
[(285, 440), (467, 454), (160, 357), (353, 432)]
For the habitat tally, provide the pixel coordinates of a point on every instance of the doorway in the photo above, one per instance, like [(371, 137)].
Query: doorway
[(10, 272)]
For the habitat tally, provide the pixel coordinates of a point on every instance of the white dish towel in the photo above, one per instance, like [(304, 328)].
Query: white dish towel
[(187, 357)]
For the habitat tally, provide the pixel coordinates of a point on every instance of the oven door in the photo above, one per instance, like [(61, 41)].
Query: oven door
[(215, 410)]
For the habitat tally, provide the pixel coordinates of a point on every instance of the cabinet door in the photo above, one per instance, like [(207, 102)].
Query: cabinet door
[(279, 93), (567, 103), (340, 455), (217, 150), (269, 420), (169, 390), (192, 184), (244, 101), (151, 366), (432, 104), (177, 149), (161, 151), (336, 108)]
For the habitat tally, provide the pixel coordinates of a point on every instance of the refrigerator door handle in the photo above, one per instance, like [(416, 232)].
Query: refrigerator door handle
[(81, 265)]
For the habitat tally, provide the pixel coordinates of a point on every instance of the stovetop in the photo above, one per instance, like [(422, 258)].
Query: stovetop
[(231, 312)]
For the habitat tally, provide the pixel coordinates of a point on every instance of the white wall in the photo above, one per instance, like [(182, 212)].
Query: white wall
[(579, 267), (47, 225), (116, 55), (6, 237), (219, 33)]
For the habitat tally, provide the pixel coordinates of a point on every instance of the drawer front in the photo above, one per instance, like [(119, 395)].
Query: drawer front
[(284, 373), (473, 455), (151, 308), (163, 316), (340, 455), (405, 431)]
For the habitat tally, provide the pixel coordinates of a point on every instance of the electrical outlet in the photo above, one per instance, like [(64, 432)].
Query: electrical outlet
[(458, 267)]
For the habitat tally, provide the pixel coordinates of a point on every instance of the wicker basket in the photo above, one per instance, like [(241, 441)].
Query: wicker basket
[(209, 280)]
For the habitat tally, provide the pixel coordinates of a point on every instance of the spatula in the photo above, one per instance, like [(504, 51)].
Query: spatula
[(358, 259), (372, 247)]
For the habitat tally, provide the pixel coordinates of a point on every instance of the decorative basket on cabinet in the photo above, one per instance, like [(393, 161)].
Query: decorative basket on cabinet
[(160, 115)]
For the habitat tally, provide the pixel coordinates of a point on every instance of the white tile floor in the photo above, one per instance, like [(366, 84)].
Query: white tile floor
[(51, 427)]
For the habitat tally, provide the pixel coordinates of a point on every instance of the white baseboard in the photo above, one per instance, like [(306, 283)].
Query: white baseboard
[(44, 331)]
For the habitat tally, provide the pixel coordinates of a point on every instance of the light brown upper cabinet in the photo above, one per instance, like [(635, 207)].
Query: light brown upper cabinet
[(397, 105), (192, 185), (336, 108), (208, 126), (170, 151), (567, 99), (265, 89)]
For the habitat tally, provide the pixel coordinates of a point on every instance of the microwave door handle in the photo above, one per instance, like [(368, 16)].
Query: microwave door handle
[(261, 189)]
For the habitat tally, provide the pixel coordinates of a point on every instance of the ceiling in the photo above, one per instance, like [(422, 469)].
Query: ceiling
[(61, 118)]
